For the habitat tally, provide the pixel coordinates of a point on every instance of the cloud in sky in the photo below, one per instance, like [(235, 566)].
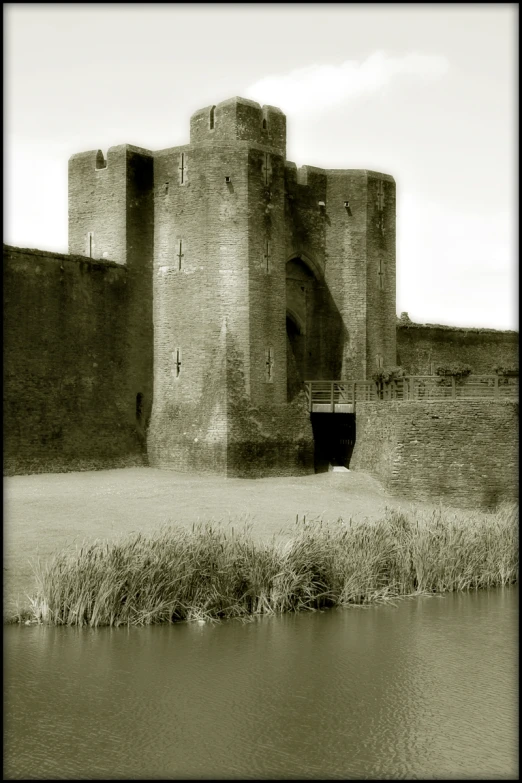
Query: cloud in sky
[(325, 86), (456, 267)]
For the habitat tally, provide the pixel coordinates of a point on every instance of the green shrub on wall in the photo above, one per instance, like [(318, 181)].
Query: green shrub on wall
[(449, 371), (455, 370), (388, 374), (509, 372)]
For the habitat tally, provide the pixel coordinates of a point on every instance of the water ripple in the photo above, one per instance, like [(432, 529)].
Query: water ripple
[(427, 689)]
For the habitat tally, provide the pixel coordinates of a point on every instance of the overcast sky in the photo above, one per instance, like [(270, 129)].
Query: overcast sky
[(424, 92)]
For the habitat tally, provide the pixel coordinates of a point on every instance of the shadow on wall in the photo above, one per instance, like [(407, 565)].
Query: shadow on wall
[(316, 334)]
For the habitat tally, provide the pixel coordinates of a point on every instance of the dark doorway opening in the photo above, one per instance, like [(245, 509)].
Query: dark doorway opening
[(334, 439)]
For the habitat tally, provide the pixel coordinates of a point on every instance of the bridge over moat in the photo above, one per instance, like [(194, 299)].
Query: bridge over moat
[(342, 396), (452, 398)]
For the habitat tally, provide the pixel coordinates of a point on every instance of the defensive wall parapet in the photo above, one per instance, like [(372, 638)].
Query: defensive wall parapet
[(29, 256)]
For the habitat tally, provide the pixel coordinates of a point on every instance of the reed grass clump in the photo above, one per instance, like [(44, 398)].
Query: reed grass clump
[(212, 572)]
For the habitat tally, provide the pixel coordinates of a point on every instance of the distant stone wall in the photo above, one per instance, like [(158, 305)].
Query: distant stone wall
[(421, 348), (70, 369), (463, 453)]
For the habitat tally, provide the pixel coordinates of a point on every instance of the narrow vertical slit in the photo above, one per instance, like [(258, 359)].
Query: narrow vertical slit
[(139, 406)]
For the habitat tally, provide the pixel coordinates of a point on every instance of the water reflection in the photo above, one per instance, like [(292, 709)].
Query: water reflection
[(424, 689)]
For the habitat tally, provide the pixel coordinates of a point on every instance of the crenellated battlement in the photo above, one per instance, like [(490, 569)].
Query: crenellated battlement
[(96, 160), (103, 190), (240, 119)]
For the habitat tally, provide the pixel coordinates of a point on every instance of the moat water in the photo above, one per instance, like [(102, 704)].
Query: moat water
[(426, 689)]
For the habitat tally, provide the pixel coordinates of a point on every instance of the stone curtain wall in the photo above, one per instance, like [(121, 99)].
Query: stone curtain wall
[(463, 453), (69, 403), (421, 347)]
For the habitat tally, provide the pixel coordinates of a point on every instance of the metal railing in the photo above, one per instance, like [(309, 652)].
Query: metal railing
[(342, 396)]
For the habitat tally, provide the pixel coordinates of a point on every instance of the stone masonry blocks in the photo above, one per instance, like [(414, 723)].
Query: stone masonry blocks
[(464, 453)]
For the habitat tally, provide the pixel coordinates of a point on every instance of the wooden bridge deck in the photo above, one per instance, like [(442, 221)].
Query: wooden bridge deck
[(342, 396)]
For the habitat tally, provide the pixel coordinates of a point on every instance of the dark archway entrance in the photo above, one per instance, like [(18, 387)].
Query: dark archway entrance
[(334, 439)]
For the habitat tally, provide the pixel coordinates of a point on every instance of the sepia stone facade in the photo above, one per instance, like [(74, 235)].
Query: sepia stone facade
[(248, 276), (71, 368), (205, 282)]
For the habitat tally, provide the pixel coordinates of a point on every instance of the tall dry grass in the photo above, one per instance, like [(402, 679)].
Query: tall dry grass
[(212, 572)]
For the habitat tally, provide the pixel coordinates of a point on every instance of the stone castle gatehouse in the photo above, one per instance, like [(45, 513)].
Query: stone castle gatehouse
[(259, 275), (204, 284)]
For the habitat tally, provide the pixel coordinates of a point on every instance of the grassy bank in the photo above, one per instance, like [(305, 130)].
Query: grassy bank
[(212, 572)]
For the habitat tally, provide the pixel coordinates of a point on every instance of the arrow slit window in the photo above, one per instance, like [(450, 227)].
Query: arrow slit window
[(269, 365), (177, 362)]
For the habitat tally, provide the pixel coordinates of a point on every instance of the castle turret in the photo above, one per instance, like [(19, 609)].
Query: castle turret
[(240, 120)]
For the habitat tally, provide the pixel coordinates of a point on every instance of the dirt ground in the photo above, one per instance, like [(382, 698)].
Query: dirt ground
[(47, 512)]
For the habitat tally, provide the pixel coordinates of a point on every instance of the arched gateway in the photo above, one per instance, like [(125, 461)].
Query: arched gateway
[(314, 327)]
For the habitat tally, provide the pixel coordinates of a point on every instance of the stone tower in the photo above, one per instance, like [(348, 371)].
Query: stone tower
[(255, 276), (111, 216), (220, 388)]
